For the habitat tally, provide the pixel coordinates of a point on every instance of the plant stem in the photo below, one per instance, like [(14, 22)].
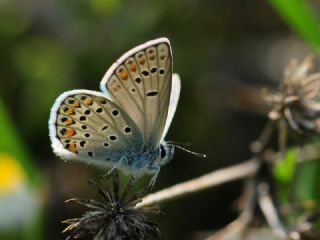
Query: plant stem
[(206, 181), (271, 212), (237, 226), (260, 144)]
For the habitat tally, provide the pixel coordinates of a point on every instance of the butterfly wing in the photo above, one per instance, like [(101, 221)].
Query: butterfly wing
[(140, 83), (174, 98), (87, 126)]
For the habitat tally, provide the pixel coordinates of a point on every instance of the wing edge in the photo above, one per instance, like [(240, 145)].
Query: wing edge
[(110, 71), (56, 145), (174, 99)]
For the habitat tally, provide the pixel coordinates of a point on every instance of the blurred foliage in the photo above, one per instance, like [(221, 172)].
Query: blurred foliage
[(10, 143), (20, 209), (102, 7), (301, 17), (307, 183), (219, 47), (49, 66), (285, 169)]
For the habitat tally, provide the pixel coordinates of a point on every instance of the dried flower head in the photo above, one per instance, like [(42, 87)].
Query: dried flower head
[(116, 217), (298, 101), (307, 225)]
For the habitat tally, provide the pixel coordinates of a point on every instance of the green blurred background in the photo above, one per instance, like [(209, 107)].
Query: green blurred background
[(224, 51)]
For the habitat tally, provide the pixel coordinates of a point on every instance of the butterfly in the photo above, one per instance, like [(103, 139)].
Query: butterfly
[(125, 124)]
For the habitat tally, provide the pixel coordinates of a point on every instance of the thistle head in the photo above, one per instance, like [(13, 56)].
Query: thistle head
[(298, 98), (115, 217)]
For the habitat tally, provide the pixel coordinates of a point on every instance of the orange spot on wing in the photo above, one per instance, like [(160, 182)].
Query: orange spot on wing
[(133, 67), (69, 132), (88, 101), (123, 74), (142, 61), (70, 111), (72, 147), (76, 104), (69, 122)]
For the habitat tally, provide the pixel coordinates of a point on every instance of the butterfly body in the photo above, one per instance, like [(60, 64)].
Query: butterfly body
[(146, 160), (124, 125)]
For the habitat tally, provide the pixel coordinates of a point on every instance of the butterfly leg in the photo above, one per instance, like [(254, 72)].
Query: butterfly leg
[(110, 172), (123, 161), (156, 173)]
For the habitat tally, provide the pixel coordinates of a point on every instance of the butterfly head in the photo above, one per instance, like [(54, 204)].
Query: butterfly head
[(165, 153)]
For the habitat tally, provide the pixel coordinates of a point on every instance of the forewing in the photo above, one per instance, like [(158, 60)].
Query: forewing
[(85, 125), (140, 83), (174, 99)]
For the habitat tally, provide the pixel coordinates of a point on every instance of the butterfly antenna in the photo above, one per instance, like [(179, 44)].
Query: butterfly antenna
[(182, 144), (186, 150)]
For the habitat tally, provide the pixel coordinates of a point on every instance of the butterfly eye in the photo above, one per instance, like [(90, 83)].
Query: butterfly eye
[(162, 151)]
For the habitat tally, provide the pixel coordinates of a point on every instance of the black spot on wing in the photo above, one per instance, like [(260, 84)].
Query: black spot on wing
[(152, 93)]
